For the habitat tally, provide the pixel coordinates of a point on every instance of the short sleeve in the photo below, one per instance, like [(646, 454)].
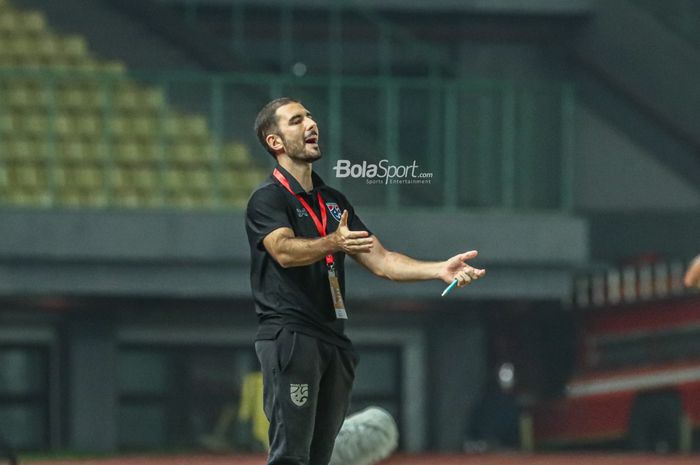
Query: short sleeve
[(266, 212), (354, 221)]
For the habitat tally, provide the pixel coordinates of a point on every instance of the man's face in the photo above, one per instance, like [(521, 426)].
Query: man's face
[(298, 132)]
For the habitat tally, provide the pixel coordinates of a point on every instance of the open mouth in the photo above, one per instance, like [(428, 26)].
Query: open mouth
[(311, 139)]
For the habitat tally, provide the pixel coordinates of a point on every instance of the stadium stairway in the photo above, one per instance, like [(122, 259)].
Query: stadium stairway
[(635, 52)]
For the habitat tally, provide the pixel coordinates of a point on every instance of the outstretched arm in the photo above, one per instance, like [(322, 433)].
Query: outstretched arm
[(399, 267)]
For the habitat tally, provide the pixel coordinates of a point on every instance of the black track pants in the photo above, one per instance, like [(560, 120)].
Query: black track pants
[(307, 384)]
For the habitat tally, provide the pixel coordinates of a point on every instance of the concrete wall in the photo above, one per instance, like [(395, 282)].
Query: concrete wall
[(616, 172), (205, 254)]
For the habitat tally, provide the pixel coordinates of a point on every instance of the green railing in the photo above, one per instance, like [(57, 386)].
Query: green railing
[(479, 143)]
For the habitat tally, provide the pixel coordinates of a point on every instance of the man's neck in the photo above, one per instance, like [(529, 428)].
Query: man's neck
[(300, 170)]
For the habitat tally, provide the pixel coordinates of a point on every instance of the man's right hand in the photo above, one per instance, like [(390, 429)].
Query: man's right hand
[(350, 242)]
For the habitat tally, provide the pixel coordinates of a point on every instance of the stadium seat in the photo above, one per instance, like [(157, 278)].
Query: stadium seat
[(9, 124), (32, 22), (236, 155), (144, 180), (72, 47), (114, 131), (127, 153), (88, 126), (9, 23), (145, 127)]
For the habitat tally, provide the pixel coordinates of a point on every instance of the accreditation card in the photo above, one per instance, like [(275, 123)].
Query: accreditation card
[(338, 303)]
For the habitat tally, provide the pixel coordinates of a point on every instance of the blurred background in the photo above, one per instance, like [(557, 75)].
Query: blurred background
[(563, 143)]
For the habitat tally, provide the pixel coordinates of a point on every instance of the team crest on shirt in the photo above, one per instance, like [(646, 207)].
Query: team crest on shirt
[(299, 394), (335, 210)]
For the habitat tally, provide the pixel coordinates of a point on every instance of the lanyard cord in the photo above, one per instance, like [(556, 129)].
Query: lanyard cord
[(320, 224)]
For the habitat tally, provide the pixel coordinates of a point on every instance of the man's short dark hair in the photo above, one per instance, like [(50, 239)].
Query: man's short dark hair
[(266, 121)]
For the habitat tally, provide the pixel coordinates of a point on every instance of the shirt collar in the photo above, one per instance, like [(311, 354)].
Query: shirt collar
[(294, 184)]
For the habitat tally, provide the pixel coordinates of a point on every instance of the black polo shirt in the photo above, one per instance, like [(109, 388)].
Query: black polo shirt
[(297, 297)]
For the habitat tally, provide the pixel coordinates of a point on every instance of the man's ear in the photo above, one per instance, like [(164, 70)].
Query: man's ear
[(274, 142)]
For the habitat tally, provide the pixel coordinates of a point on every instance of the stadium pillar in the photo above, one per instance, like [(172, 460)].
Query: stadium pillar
[(457, 374), (92, 384)]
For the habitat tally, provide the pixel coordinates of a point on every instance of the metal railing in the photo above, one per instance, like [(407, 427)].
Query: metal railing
[(493, 144)]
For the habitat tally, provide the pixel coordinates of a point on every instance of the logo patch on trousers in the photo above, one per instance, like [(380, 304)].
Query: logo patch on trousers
[(299, 393)]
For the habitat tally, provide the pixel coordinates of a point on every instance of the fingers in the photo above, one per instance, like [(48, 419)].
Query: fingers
[(468, 274), (347, 234), (468, 255), (355, 246), (356, 234)]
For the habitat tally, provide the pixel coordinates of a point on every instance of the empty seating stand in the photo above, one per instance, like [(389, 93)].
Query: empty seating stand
[(77, 131)]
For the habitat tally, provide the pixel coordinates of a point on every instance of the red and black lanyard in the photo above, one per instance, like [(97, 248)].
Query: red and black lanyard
[(320, 224)]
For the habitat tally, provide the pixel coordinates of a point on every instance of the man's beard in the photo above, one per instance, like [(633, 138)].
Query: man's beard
[(298, 151)]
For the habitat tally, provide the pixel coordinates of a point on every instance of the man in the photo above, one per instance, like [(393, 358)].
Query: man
[(299, 231), (692, 275)]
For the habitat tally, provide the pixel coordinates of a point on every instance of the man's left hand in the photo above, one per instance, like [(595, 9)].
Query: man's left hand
[(456, 268)]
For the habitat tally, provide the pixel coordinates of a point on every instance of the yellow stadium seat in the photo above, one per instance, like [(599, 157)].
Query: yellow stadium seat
[(188, 200), (28, 176), (118, 179), (144, 180), (96, 198), (63, 125), (195, 127), (70, 198), (152, 99), (26, 150), (126, 97), (87, 178), (40, 96), (98, 150), (183, 153), (85, 65), (236, 155), (21, 47), (9, 124), (71, 97), (234, 200), (9, 23), (32, 22), (173, 126), (112, 66), (29, 198), (88, 126), (18, 94), (4, 179), (127, 152), (151, 151), (35, 124), (174, 180), (47, 45), (144, 127), (73, 47), (129, 199), (72, 151), (118, 126), (93, 96), (200, 180)]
